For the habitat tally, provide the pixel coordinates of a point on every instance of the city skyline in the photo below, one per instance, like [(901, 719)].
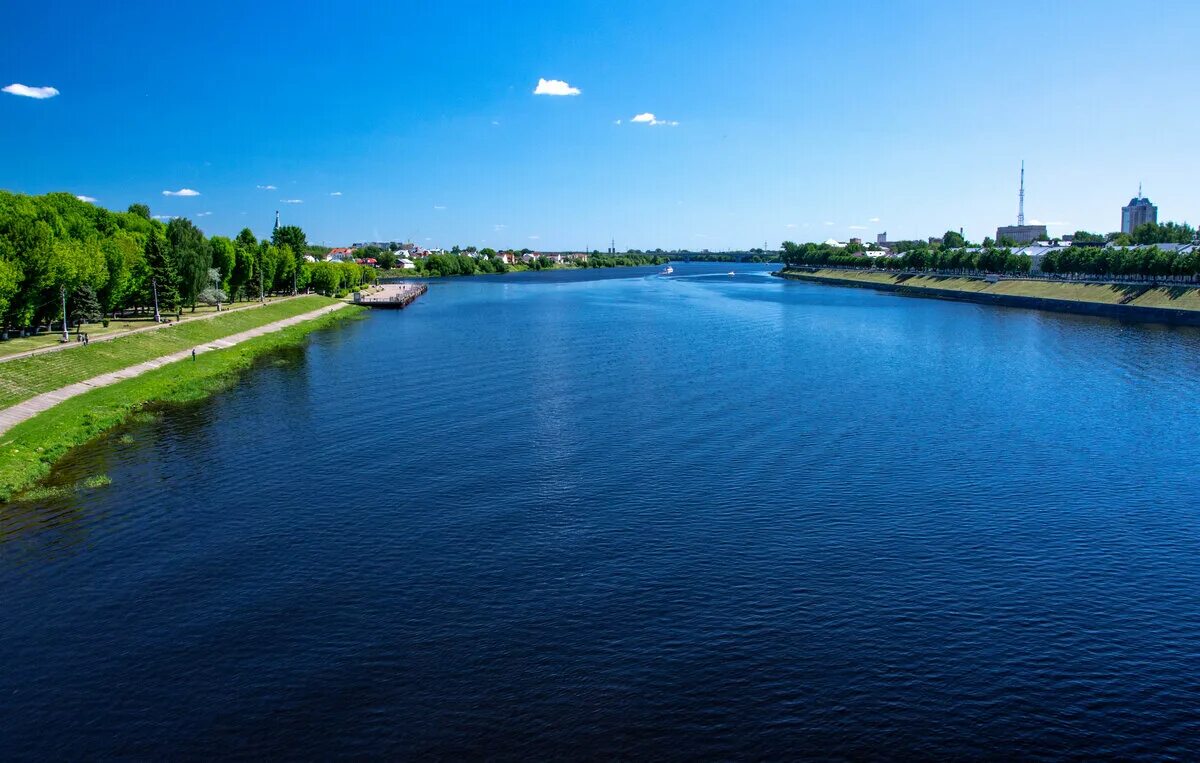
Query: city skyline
[(474, 125)]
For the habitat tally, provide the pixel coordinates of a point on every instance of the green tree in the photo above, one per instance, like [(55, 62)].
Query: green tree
[(191, 256), (160, 277), (224, 259), (85, 306), (953, 240), (292, 236), (387, 259), (141, 210), (75, 264), (122, 257)]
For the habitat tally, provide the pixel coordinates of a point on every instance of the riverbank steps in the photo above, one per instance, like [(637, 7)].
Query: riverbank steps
[(23, 378), (28, 450), (1168, 304)]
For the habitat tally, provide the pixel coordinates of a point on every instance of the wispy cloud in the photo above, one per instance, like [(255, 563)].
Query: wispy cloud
[(554, 87), (790, 225), (266, 187), (439, 207), (203, 214), (647, 118), (88, 199), (827, 222), (873, 220), (336, 193), (858, 227), (499, 227), (534, 238), (182, 192), (165, 217), (39, 93), (617, 122), (495, 123), (291, 201)]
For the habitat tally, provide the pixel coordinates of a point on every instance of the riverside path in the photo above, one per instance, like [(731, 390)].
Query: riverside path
[(27, 409)]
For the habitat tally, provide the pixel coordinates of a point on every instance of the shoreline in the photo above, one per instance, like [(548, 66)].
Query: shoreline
[(32, 446), (1173, 305)]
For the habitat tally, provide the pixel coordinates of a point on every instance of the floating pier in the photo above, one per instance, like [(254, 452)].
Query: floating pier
[(392, 296)]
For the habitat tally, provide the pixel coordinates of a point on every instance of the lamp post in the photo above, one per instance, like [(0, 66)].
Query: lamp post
[(63, 292)]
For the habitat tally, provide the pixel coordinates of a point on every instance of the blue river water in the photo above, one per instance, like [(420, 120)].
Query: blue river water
[(620, 514)]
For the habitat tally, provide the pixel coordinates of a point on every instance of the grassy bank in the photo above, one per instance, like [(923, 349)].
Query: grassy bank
[(1166, 297), (22, 378), (16, 345), (28, 450)]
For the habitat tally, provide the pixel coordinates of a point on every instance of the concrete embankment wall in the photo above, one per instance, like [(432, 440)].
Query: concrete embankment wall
[(1077, 307)]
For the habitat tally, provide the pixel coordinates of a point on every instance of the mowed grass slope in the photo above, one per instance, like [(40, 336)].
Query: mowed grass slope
[(1170, 298), (23, 378)]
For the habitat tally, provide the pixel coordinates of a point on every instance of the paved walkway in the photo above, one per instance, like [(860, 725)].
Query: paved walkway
[(27, 409), (153, 327)]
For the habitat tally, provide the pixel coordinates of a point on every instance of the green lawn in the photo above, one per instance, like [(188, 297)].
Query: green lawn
[(28, 450), (22, 378), (18, 344), (1175, 298)]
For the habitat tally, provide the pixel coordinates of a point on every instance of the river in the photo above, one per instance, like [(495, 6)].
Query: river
[(615, 514)]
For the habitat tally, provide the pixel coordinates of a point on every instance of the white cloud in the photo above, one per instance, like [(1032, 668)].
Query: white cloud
[(790, 225), (182, 192), (499, 227), (617, 122), (827, 223), (266, 187), (88, 199), (873, 220), (554, 87), (336, 193), (203, 214), (858, 227), (39, 93), (534, 238), (165, 217), (495, 123), (647, 118), (291, 201), (439, 207)]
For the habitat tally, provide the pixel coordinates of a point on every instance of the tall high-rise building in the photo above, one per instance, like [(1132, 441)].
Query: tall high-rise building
[(1138, 212)]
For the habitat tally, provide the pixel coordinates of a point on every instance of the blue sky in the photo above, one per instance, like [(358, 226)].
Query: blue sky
[(796, 120)]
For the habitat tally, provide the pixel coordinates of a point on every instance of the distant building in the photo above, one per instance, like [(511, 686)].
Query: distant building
[(1022, 234), (406, 264), (1139, 211)]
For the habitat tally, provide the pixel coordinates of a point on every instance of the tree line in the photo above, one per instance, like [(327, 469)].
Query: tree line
[(1115, 255), (488, 260), (59, 254), (989, 259)]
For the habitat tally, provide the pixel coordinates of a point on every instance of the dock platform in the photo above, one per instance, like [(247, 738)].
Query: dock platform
[(390, 296)]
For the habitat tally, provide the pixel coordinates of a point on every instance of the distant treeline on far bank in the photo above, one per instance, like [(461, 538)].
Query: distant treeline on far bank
[(1168, 250)]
